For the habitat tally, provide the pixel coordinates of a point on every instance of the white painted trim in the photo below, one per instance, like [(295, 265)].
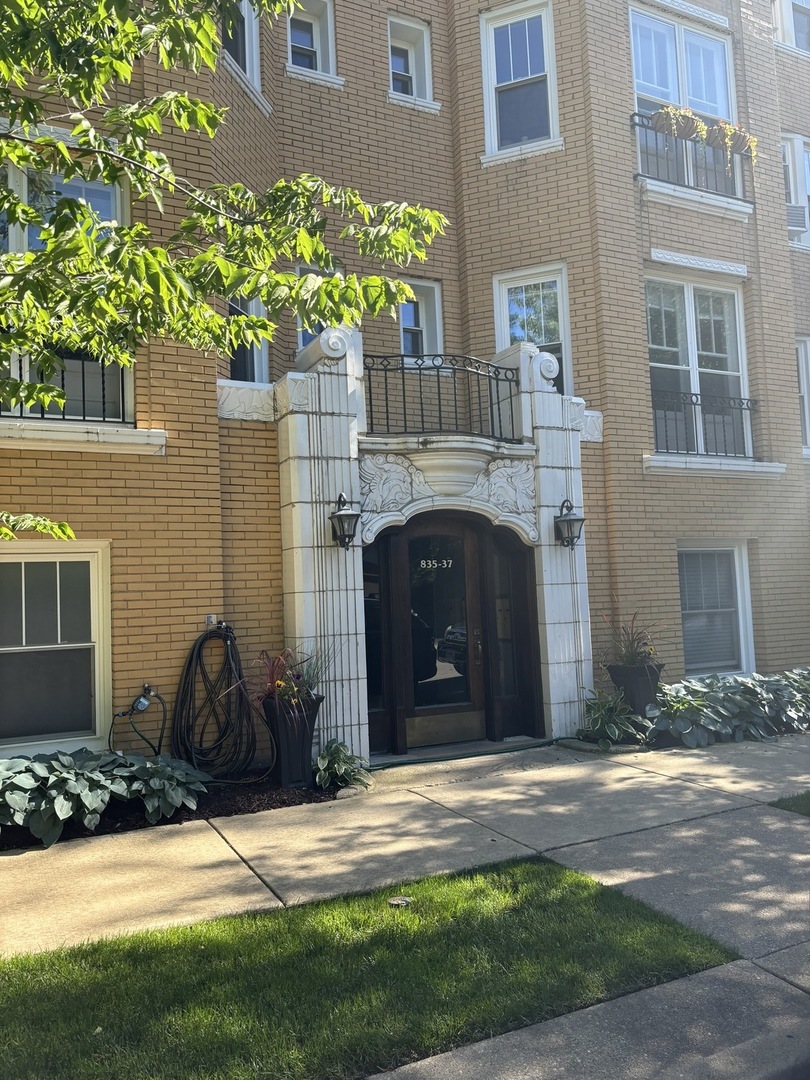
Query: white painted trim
[(709, 202), (746, 628), (68, 435), (806, 453), (803, 371), (709, 465), (97, 553), (501, 282), (698, 262), (432, 291), (416, 37), (322, 77), (413, 102), (489, 20), (251, 89), (791, 50), (692, 11), (517, 153)]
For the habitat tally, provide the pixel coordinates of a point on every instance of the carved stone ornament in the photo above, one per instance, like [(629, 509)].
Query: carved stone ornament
[(334, 341), (592, 430), (237, 401), (292, 394), (508, 485), (390, 482)]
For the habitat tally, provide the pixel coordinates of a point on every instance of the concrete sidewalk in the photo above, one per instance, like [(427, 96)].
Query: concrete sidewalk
[(688, 832)]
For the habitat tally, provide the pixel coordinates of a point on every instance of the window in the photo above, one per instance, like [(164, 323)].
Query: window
[(242, 43), (54, 641), (531, 306), (793, 23), (249, 362), (697, 372), (306, 334), (94, 393), (796, 165), (715, 609), (803, 361), (409, 54), (519, 92), (420, 321), (675, 65), (311, 37)]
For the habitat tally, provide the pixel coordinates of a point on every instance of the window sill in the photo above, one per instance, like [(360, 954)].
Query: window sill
[(709, 465), (251, 89), (516, 153), (321, 77), (806, 453), (49, 744), (791, 50), (800, 245), (66, 435), (709, 202), (245, 401), (420, 104)]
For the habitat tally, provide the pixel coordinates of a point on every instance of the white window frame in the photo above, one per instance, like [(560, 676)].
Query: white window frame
[(803, 364), (490, 21), (321, 15), (252, 69), (18, 242), (413, 36), (97, 554), (259, 353), (796, 149), (535, 275), (689, 286), (429, 295), (739, 549), (784, 24)]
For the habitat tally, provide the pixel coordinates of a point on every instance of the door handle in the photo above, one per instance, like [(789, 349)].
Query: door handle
[(479, 651)]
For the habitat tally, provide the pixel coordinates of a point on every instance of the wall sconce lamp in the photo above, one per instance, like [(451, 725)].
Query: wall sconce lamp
[(344, 522), (567, 525)]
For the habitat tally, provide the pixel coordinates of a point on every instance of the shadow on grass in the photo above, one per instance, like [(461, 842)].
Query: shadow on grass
[(341, 988)]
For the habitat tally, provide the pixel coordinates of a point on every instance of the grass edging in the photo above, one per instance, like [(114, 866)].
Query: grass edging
[(342, 988), (797, 804)]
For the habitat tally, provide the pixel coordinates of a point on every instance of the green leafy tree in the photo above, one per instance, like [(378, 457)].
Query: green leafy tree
[(103, 289)]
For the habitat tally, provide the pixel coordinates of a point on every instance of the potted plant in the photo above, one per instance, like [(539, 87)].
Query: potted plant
[(732, 139), (634, 669), (677, 122), (286, 693)]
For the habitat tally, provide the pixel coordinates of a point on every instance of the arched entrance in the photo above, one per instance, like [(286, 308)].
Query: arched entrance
[(451, 634)]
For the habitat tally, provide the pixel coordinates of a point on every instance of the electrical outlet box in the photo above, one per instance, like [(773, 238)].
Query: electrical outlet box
[(210, 620)]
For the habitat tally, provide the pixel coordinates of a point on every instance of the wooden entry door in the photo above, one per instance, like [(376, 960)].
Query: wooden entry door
[(450, 648)]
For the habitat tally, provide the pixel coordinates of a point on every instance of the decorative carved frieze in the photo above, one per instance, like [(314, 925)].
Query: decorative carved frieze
[(292, 394), (243, 401), (390, 482), (592, 430), (509, 486)]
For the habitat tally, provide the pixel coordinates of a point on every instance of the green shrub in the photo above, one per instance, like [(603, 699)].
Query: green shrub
[(726, 708), (337, 764), (43, 792), (610, 720)]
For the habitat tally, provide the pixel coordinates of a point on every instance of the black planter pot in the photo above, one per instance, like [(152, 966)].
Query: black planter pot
[(638, 683), (292, 727)]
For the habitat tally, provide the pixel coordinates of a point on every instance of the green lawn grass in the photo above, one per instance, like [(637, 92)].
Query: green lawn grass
[(341, 988), (799, 804)]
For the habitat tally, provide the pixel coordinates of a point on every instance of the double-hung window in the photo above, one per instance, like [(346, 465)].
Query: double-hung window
[(674, 64), (54, 641), (531, 307), (519, 88), (248, 362), (715, 608), (793, 23), (697, 373), (796, 165), (420, 321), (241, 42), (803, 361), (311, 40), (409, 60), (94, 393)]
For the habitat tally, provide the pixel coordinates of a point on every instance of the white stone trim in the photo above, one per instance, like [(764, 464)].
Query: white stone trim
[(245, 401), (67, 435), (710, 465), (322, 77), (517, 153), (593, 426), (251, 89), (421, 104), (709, 202), (698, 262), (791, 50), (694, 11)]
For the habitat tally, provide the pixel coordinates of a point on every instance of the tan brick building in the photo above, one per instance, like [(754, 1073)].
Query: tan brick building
[(669, 279)]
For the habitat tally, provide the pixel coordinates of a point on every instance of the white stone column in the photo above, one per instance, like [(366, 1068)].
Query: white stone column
[(321, 411)]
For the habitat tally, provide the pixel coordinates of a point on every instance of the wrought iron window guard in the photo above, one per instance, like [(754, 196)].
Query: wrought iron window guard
[(687, 163), (687, 423), (95, 393)]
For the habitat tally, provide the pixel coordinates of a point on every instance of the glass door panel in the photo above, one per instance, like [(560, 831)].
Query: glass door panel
[(438, 599)]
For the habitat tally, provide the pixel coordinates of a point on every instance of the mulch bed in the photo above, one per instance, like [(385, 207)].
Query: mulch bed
[(221, 800)]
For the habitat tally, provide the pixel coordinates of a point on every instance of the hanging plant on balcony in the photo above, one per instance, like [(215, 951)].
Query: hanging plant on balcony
[(731, 139), (679, 123)]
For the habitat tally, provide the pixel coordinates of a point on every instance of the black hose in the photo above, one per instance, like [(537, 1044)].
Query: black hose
[(214, 722)]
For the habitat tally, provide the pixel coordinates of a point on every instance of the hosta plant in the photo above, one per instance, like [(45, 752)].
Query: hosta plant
[(610, 720), (337, 764)]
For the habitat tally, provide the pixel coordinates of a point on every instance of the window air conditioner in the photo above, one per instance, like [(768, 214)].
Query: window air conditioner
[(796, 220)]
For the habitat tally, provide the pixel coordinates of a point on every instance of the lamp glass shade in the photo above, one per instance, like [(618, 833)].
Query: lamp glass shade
[(344, 522), (568, 525)]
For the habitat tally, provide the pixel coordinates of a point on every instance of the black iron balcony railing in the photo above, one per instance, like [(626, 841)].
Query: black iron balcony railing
[(94, 393), (447, 394), (698, 424), (687, 162)]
